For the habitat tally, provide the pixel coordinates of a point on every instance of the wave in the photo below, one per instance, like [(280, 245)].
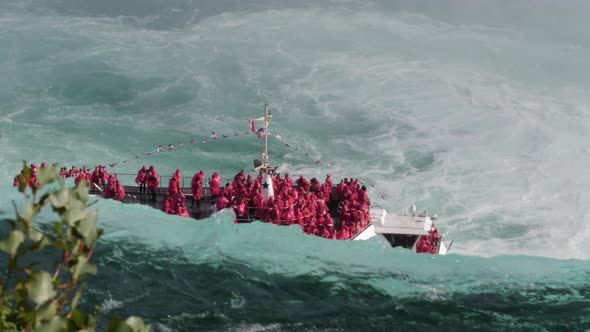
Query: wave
[(431, 104)]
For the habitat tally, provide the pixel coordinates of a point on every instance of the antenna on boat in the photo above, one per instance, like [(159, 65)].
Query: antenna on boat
[(264, 167), (403, 200)]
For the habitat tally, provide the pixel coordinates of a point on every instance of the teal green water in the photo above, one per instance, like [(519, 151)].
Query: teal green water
[(477, 111)]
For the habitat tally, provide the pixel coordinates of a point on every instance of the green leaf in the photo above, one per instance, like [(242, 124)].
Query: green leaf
[(74, 212), (87, 227), (11, 243), (116, 324), (35, 235), (19, 219), (47, 175), (59, 198), (76, 297), (39, 287), (78, 319), (132, 324), (29, 211), (81, 268), (57, 324), (43, 198), (44, 242), (137, 324), (57, 229), (82, 190), (47, 311)]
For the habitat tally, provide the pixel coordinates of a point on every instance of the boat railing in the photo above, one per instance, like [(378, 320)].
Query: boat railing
[(128, 179)]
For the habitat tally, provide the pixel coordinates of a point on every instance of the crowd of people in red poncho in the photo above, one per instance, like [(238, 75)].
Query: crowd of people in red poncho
[(306, 203), (98, 179)]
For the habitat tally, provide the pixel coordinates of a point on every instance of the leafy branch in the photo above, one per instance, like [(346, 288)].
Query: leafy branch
[(47, 300)]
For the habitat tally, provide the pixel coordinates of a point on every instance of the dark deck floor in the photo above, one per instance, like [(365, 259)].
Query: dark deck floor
[(132, 196), (201, 211)]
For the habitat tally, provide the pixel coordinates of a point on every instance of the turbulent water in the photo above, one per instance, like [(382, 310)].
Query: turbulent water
[(478, 111)]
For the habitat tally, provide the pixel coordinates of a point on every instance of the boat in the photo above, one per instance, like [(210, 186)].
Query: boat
[(413, 230)]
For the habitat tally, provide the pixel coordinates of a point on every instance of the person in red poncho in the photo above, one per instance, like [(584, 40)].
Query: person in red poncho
[(214, 184), (177, 177), (197, 187), (110, 189), (141, 179), (153, 181), (119, 190), (174, 182), (94, 178), (221, 203), (181, 211), (103, 174)]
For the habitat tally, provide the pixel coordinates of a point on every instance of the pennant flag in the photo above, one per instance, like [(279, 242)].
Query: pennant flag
[(260, 132), (213, 135), (159, 149), (203, 142), (192, 141), (267, 188), (180, 145), (148, 153), (170, 146)]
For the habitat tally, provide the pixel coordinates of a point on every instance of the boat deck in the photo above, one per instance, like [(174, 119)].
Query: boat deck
[(132, 196), (204, 210)]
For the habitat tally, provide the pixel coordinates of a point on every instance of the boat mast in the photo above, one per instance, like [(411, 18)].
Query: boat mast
[(264, 167), (266, 117)]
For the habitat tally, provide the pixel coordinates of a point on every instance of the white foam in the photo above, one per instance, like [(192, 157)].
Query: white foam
[(377, 94)]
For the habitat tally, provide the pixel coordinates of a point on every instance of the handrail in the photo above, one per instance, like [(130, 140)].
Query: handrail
[(186, 180)]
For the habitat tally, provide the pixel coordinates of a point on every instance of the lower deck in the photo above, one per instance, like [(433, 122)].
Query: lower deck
[(197, 210)]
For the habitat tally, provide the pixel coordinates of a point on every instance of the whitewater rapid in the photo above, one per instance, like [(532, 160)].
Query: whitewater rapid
[(479, 116)]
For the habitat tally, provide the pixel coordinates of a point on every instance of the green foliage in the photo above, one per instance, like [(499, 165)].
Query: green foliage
[(34, 299)]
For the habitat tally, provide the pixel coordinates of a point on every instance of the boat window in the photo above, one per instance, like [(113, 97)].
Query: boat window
[(401, 240)]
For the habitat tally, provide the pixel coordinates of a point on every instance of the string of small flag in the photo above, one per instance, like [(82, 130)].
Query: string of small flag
[(259, 133), (180, 145), (160, 148)]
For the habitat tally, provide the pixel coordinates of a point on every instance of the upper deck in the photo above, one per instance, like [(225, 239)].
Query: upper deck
[(415, 224)]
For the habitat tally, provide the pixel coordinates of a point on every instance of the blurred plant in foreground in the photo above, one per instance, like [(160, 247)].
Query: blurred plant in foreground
[(33, 298)]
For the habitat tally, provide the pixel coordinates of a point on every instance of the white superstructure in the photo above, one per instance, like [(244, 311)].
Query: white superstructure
[(404, 230)]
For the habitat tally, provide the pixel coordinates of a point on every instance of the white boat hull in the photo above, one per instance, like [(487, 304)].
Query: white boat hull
[(388, 226)]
